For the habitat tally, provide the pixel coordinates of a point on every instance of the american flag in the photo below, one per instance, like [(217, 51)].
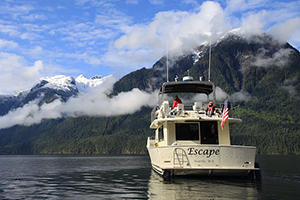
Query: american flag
[(225, 113)]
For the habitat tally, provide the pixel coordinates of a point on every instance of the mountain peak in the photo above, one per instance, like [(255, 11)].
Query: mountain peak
[(96, 77), (59, 82), (83, 84), (66, 83)]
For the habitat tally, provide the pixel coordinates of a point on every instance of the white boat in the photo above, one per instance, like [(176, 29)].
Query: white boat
[(190, 141)]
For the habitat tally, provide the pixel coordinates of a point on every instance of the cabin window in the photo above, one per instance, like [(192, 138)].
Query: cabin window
[(161, 133), (187, 131), (209, 132)]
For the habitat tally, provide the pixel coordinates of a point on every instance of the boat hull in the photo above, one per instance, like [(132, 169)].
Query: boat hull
[(206, 160)]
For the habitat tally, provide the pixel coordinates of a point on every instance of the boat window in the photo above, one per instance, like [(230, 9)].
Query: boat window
[(187, 99), (161, 133), (209, 132), (187, 131)]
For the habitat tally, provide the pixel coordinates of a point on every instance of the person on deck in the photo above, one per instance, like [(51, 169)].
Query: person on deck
[(176, 102), (210, 109)]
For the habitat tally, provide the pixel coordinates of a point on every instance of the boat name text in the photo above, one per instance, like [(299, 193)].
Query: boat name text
[(206, 152)]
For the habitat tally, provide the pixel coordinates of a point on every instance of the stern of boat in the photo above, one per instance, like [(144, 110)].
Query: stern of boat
[(202, 159)]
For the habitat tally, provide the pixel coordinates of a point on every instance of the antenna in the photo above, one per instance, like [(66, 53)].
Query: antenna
[(167, 61), (209, 60)]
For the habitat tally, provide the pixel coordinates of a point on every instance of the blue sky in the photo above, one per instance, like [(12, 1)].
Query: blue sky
[(41, 38)]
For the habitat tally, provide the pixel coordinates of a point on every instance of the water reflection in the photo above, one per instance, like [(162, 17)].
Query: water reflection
[(126, 184), (120, 184), (130, 177), (57, 177), (202, 188)]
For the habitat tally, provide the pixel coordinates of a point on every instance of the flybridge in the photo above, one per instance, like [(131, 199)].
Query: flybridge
[(188, 87)]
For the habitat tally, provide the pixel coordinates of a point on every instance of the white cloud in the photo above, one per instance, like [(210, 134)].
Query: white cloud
[(220, 94), (5, 44), (244, 5), (279, 18), (286, 30), (279, 58), (95, 101), (253, 23), (30, 114), (34, 71), (10, 30), (143, 44), (235, 97), (98, 33), (15, 75), (178, 31), (10, 62), (98, 104), (33, 17), (290, 86), (156, 2), (16, 11), (240, 96), (30, 36)]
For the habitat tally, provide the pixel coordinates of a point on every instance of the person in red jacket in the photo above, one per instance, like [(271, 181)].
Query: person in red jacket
[(176, 102), (210, 109)]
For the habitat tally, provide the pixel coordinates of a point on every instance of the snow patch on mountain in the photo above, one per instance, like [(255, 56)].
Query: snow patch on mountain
[(84, 85), (197, 55), (67, 83)]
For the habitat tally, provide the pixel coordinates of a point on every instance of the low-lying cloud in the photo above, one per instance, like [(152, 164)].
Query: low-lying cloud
[(235, 97), (290, 86), (279, 59), (93, 103)]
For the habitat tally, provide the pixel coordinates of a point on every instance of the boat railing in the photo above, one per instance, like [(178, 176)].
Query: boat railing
[(233, 109), (150, 142), (153, 113)]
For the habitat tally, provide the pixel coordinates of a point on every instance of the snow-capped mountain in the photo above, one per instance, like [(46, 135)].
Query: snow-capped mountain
[(68, 83), (48, 89)]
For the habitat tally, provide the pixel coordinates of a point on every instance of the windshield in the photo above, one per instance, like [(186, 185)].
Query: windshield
[(187, 99)]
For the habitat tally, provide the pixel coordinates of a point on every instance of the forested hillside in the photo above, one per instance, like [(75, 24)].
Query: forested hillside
[(260, 75)]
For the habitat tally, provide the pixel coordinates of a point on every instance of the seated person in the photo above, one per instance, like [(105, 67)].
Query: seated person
[(175, 104), (210, 109)]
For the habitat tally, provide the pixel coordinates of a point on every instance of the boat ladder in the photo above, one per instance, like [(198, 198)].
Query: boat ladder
[(180, 158)]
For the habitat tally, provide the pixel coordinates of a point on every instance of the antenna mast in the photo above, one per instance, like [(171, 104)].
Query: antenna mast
[(209, 60), (167, 62)]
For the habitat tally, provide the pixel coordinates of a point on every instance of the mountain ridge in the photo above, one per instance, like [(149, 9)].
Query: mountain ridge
[(260, 67), (55, 87)]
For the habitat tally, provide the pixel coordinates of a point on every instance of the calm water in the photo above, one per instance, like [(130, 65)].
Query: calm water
[(130, 177)]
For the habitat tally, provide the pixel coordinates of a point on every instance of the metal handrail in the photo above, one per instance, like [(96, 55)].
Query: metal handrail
[(183, 155)]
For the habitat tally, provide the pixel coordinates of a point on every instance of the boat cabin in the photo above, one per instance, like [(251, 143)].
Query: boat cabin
[(189, 123)]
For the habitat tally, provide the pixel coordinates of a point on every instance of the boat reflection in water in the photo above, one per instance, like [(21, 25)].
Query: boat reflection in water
[(185, 187)]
